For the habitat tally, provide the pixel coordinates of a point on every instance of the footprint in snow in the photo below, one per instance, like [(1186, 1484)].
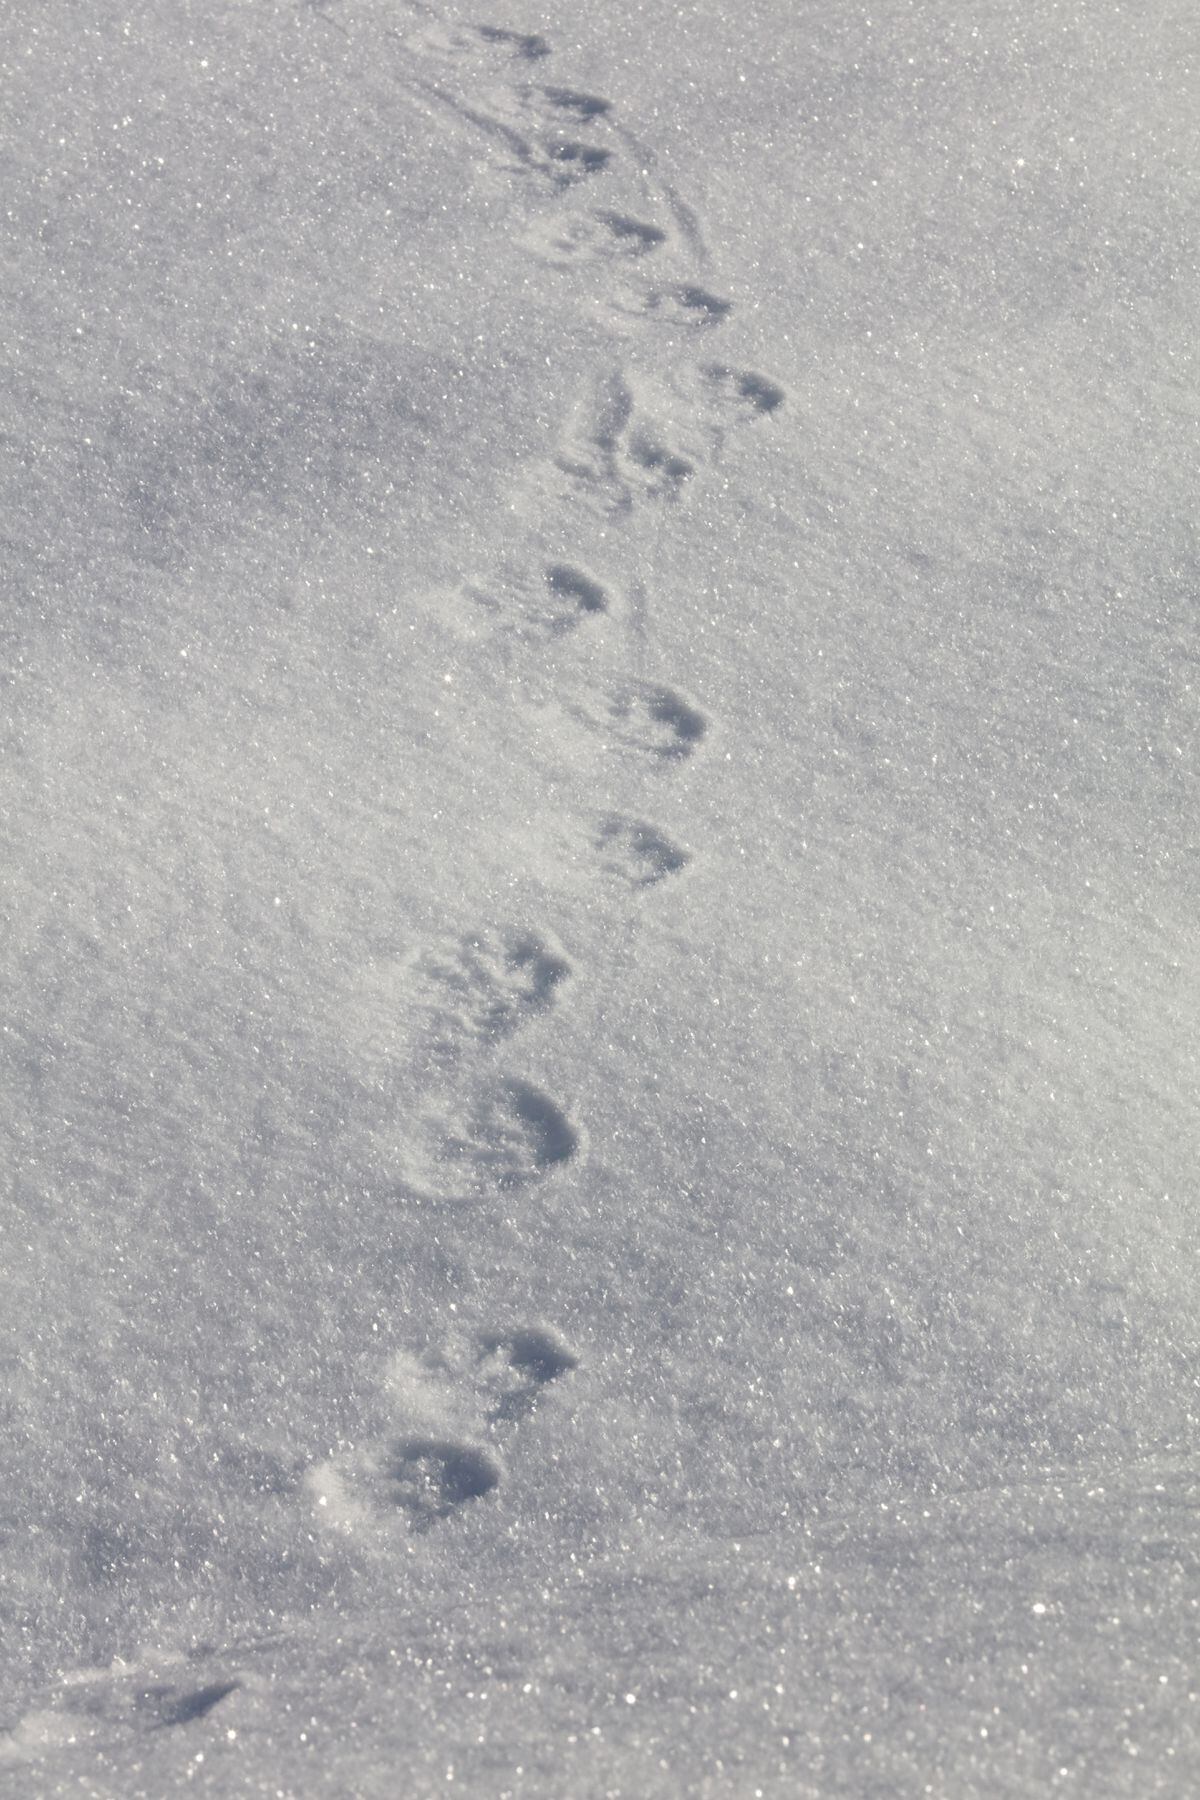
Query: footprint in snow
[(509, 1135), (116, 1705), (724, 398), (683, 307), (515, 1367), (578, 240), (741, 393), (645, 717), (617, 454), (487, 987), (480, 45), (522, 604), (456, 1412), (481, 1140), (426, 1009), (637, 853), (524, 46), (554, 158)]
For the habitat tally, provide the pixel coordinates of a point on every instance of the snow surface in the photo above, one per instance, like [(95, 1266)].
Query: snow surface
[(600, 878)]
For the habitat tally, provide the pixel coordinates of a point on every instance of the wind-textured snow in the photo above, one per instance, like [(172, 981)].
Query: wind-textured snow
[(599, 857)]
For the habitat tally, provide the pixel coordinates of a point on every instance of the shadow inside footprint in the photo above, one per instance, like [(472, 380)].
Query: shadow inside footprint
[(583, 106), (663, 471), (535, 1358), (549, 1132), (754, 392), (710, 309), (633, 232), (513, 1135), (578, 159), (650, 719), (431, 1477), (541, 969), (570, 584), (529, 46), (683, 725), (639, 853)]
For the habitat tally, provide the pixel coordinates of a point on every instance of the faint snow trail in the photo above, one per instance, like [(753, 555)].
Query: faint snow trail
[(685, 217)]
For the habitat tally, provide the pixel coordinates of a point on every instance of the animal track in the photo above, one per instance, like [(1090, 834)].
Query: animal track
[(179, 1706), (595, 237), (562, 161), (558, 600), (485, 1138), (638, 853), (641, 715), (683, 307), (112, 1705), (635, 235), (574, 161), (453, 1408), (579, 590), (428, 1478), (513, 1134), (425, 1010), (581, 106), (517, 1366), (526, 46), (618, 453), (741, 391), (480, 44), (662, 470), (487, 987)]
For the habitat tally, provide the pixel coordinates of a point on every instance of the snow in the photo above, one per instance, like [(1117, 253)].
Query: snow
[(599, 867)]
